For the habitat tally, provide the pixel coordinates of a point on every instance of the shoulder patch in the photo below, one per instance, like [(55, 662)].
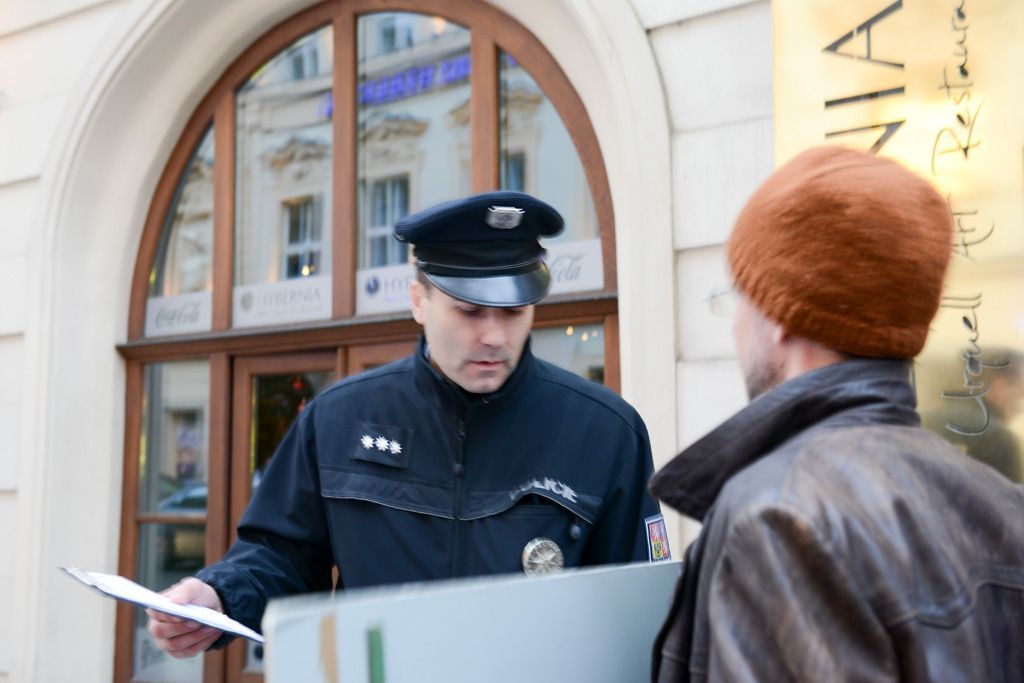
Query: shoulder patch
[(657, 539)]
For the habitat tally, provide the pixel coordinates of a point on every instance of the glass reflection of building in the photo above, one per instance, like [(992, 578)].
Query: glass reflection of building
[(414, 132), (537, 152), (283, 168), (413, 102), (977, 404), (172, 495), (184, 264)]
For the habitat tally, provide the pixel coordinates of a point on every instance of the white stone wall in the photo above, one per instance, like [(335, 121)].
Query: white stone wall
[(715, 58), (43, 48)]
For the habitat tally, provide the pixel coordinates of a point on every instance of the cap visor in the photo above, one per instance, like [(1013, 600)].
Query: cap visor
[(501, 291)]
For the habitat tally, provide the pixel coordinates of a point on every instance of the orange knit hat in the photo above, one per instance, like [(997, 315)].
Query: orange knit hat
[(846, 249)]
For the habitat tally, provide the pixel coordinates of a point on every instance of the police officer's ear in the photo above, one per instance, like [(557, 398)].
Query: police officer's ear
[(419, 295)]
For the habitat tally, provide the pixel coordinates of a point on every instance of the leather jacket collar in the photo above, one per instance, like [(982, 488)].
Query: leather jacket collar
[(860, 391)]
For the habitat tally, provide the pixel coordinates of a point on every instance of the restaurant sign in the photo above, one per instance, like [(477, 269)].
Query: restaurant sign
[(934, 84)]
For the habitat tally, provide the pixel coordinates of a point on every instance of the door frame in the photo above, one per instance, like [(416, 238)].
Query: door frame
[(244, 373), (365, 356), (246, 369)]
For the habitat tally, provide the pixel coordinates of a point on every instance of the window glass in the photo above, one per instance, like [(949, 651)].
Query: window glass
[(167, 554), (173, 463), (173, 454), (303, 245), (538, 157), (179, 299), (283, 187), (386, 200), (414, 140), (277, 400), (970, 377), (576, 348)]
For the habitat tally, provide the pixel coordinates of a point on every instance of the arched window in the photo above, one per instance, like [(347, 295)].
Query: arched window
[(266, 268)]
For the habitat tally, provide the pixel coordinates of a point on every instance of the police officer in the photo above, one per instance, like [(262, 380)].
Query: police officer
[(469, 457)]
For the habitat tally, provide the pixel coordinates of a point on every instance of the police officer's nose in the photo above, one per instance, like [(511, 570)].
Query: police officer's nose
[(492, 332)]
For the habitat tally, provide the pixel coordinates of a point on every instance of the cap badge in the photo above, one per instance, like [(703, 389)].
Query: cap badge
[(504, 217), (542, 556)]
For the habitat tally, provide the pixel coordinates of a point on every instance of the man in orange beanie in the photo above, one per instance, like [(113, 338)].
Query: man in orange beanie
[(841, 542)]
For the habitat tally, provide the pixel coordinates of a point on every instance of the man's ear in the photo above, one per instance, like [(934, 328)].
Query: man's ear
[(779, 336), (418, 297)]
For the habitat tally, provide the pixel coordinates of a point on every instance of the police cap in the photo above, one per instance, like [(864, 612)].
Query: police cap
[(483, 249)]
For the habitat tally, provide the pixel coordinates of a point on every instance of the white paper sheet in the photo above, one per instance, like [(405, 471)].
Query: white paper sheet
[(121, 588)]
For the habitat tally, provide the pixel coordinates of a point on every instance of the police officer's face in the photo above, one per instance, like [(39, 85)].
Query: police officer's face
[(474, 346)]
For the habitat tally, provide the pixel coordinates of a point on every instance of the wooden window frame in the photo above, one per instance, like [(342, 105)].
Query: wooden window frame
[(216, 503), (491, 31), (352, 341)]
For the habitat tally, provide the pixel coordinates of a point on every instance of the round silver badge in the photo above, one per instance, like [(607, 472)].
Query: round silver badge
[(542, 556)]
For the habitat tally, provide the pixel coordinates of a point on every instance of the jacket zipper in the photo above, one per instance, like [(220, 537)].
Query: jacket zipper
[(459, 470)]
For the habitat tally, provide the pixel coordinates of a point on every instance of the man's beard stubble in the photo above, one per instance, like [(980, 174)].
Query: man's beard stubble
[(763, 376)]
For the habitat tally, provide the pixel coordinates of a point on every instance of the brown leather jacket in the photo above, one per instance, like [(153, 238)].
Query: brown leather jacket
[(842, 543)]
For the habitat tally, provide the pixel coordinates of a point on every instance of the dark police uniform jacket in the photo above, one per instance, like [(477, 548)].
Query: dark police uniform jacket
[(398, 475)]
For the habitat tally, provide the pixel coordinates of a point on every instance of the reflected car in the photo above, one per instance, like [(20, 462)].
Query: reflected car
[(184, 545)]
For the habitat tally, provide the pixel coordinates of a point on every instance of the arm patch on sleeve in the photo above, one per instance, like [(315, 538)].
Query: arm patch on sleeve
[(657, 539)]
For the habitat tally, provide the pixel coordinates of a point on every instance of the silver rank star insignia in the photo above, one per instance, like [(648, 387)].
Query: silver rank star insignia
[(504, 217), (542, 556)]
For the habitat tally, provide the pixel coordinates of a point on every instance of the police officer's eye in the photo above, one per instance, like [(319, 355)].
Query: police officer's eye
[(513, 312), (470, 311)]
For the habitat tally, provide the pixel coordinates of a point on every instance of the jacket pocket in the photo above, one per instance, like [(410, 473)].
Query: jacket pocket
[(400, 494), (504, 527), (484, 503)]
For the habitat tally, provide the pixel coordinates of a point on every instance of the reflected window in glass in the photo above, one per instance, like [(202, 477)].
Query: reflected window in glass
[(388, 202), (167, 554), (303, 227), (173, 458), (539, 157), (173, 471), (180, 281), (393, 33), (413, 124), (576, 348), (513, 171), (283, 193)]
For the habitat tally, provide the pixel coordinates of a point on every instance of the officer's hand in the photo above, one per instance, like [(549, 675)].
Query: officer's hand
[(180, 637)]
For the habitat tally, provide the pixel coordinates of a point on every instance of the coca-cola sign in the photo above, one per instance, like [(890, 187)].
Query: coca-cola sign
[(575, 266), (181, 314), (567, 268)]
